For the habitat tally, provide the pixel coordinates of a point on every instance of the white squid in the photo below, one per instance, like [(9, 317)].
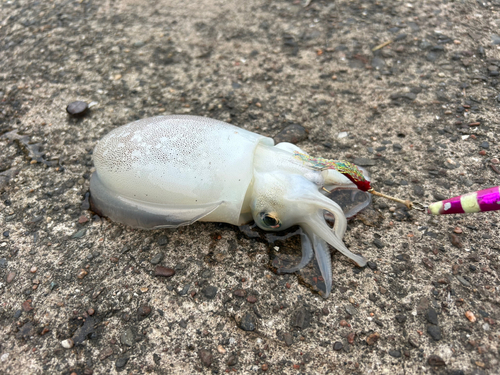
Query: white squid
[(169, 171)]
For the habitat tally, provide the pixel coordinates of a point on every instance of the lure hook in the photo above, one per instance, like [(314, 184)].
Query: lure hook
[(419, 206)]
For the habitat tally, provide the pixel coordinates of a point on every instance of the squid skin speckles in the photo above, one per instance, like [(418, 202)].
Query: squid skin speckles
[(169, 171)]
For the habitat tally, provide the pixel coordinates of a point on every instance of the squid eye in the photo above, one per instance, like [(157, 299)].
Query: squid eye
[(270, 220)]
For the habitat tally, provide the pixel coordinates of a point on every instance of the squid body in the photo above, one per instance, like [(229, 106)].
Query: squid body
[(169, 171)]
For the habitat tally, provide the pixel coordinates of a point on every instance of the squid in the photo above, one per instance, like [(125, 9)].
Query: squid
[(170, 171)]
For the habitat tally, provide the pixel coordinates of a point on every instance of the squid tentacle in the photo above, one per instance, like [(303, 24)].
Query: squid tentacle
[(324, 260), (307, 255)]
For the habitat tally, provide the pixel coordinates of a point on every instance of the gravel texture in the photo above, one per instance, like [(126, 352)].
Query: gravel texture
[(408, 89)]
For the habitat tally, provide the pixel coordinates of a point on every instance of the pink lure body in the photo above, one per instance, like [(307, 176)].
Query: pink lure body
[(479, 201)]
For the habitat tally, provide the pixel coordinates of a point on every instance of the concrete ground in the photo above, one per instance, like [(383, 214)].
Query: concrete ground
[(409, 89)]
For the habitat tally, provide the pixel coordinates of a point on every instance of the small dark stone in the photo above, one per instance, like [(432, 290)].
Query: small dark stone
[(432, 316), (485, 145), (157, 258), (85, 202), (378, 322), (442, 97), (350, 310), (426, 261), (435, 360), (156, 359), (6, 233), (413, 341), (143, 311), (425, 44), (403, 257), (162, 240), (397, 147), (205, 357), (79, 233), (456, 240), (395, 353), (378, 63), (338, 346), (493, 71), (463, 281), (377, 242), (209, 291), (251, 299), (434, 332), (401, 318), (292, 133), (382, 205), (414, 27), (409, 95), (183, 323), (301, 318), (26, 331), (484, 313), (381, 148), (127, 337), (248, 322), (121, 362), (432, 56), (372, 265), (418, 190), (364, 162), (240, 293), (232, 360), (438, 196), (77, 109), (389, 182), (164, 271), (85, 332), (288, 338), (18, 314)]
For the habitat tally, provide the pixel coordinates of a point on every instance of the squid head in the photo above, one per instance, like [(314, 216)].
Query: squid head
[(286, 192)]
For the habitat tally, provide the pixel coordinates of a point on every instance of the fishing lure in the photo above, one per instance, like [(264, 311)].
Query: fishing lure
[(353, 173), (479, 201)]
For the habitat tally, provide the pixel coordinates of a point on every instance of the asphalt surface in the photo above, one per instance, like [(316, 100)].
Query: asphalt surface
[(408, 89)]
